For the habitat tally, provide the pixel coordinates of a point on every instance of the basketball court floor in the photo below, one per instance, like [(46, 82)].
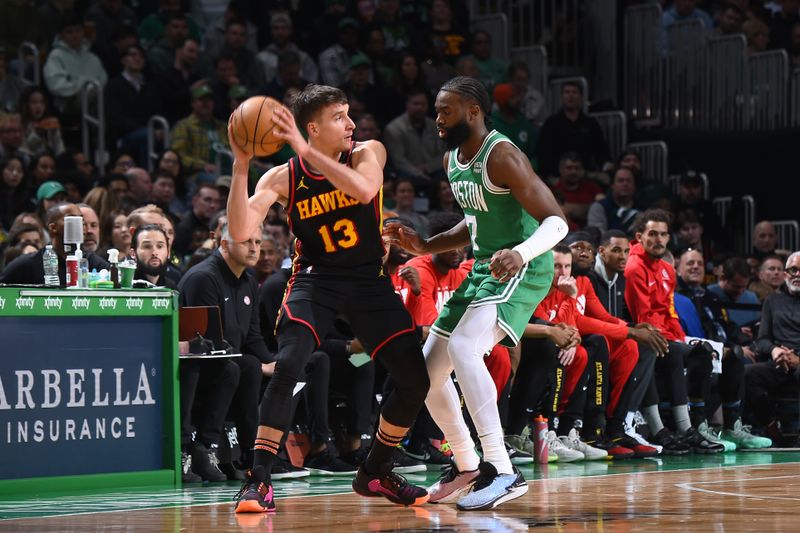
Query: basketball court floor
[(744, 491)]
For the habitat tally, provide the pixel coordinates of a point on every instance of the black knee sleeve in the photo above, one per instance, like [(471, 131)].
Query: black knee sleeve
[(402, 357)]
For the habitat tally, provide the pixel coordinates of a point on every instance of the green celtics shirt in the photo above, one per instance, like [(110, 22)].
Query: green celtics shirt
[(495, 219)]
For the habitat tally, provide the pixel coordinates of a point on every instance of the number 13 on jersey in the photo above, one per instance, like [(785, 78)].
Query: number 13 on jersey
[(344, 231)]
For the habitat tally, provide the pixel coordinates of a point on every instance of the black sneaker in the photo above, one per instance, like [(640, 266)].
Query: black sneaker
[(206, 464), (670, 443), (354, 458), (187, 476), (404, 464), (639, 450), (700, 444), (391, 486), (254, 497), (283, 469), (232, 473), (325, 463), (428, 454), (614, 449)]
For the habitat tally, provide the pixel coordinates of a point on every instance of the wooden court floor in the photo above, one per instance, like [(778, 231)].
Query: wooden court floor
[(746, 491)]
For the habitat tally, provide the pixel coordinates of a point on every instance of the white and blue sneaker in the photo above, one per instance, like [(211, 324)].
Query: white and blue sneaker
[(491, 489)]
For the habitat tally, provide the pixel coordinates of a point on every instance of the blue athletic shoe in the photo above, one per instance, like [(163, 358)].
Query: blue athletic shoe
[(491, 489)]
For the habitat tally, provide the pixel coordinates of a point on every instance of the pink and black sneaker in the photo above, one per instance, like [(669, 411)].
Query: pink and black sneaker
[(255, 497), (391, 486)]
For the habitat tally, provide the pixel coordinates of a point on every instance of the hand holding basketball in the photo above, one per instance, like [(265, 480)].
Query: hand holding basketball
[(251, 127)]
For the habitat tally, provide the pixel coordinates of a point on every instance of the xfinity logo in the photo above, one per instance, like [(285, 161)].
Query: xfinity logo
[(24, 303), (160, 303), (108, 303), (134, 303), (80, 303), (50, 303)]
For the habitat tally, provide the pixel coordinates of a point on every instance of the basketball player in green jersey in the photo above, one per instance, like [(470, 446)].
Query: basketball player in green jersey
[(512, 220)]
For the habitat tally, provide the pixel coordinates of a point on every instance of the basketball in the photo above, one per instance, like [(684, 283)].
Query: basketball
[(253, 126)]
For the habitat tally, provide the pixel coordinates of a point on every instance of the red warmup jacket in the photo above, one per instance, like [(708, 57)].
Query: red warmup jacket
[(650, 292), (585, 312)]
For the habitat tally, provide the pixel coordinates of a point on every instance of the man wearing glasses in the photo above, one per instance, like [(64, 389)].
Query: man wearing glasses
[(779, 344)]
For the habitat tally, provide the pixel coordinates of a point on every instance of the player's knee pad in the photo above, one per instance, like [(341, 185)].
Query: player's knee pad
[(402, 357)]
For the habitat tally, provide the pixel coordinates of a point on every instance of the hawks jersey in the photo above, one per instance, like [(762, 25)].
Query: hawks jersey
[(332, 229), (495, 219)]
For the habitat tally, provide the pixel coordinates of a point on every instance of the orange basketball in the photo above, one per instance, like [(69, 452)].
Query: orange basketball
[(253, 126)]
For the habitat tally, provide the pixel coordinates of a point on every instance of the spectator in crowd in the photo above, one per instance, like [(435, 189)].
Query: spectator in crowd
[(404, 194), (205, 203), (532, 103), (162, 54), (150, 250), (11, 137), (757, 34), (43, 168), (70, 65), (730, 20), (163, 194), (198, 137), (732, 289), (374, 46), (691, 195), (367, 128), (364, 96), (91, 229), (445, 32), (235, 47), (216, 36), (618, 209), (608, 272), (770, 277), (15, 191), (107, 17), (287, 77), (175, 83), (121, 162), (780, 30), (225, 77), (685, 10), (778, 345), (690, 233), (114, 233), (281, 29), (765, 240), (11, 86), (49, 194), (334, 61), (131, 100), (29, 269), (491, 70), (399, 33), (111, 53), (26, 235), (570, 129), (154, 26), (103, 203), (325, 29), (578, 192), (650, 193), (269, 258), (41, 129), (170, 162), (152, 214), (412, 141), (117, 185), (140, 185), (507, 118), (442, 198)]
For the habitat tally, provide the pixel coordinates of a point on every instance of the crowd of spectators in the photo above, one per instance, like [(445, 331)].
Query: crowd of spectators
[(194, 67)]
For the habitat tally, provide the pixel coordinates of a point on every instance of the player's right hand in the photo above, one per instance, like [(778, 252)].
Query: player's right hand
[(650, 337), (411, 276), (404, 237), (565, 357), (565, 336)]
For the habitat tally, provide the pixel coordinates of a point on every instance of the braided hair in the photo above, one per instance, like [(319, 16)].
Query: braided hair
[(471, 89)]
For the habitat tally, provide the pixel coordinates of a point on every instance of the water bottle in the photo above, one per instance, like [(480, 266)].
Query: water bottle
[(540, 440), (50, 263)]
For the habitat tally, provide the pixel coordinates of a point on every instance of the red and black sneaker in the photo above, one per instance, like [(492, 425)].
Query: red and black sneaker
[(640, 450), (391, 486), (615, 450), (255, 497)]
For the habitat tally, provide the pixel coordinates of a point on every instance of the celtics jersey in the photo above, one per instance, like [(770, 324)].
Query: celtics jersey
[(494, 218)]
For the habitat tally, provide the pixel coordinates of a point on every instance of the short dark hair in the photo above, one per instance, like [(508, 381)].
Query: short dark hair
[(606, 236), (282, 223), (312, 99), (626, 169), (18, 230), (164, 174), (687, 216), (214, 220), (441, 222), (471, 89), (518, 65), (735, 266), (147, 227), (572, 84), (562, 249), (570, 155), (652, 215)]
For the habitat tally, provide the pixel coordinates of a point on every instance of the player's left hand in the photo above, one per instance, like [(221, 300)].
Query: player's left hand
[(504, 264), (286, 129), (411, 276)]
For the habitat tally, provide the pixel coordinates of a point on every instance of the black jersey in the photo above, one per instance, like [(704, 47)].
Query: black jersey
[(332, 229)]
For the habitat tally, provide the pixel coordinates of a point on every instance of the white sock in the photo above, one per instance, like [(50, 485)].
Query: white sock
[(651, 414), (444, 404), (629, 419), (476, 334), (681, 415)]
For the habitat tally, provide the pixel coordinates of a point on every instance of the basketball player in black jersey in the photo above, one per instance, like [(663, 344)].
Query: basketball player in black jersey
[(332, 193)]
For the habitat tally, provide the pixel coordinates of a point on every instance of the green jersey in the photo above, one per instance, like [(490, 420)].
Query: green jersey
[(495, 219)]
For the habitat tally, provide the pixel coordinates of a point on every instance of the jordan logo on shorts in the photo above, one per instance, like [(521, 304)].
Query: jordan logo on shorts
[(302, 184)]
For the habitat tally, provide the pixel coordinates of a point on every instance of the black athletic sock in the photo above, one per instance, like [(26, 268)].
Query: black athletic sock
[(264, 453)]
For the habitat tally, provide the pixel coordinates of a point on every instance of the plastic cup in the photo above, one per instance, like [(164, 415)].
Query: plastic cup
[(126, 275)]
